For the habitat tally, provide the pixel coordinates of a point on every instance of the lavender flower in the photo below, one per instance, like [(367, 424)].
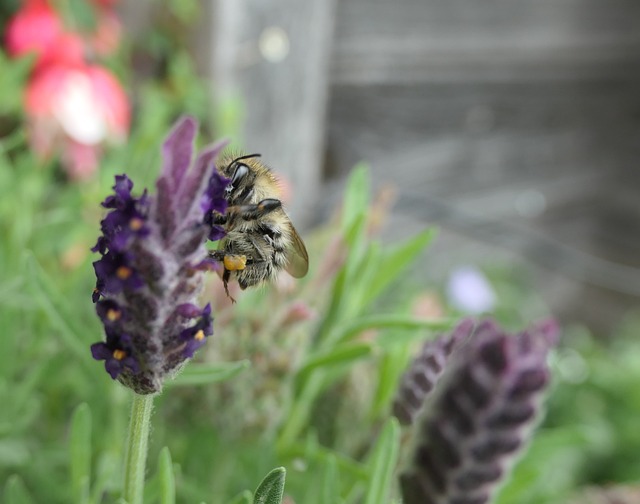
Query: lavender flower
[(425, 371), (479, 416), (151, 269)]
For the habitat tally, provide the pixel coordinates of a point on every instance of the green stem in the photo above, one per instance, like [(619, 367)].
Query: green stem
[(136, 449)]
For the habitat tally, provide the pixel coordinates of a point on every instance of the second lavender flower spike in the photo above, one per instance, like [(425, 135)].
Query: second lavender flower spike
[(478, 416), (152, 266)]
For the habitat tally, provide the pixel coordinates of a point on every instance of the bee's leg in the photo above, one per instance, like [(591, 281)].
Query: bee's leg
[(256, 210), (226, 276)]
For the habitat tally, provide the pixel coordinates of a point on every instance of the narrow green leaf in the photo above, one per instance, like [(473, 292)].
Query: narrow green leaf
[(330, 482), (166, 477), (313, 451), (271, 490), (392, 365), (245, 497), (205, 374), (356, 195), (336, 356), (395, 262), (393, 321), (51, 302), (15, 491), (80, 453), (382, 463), (298, 415)]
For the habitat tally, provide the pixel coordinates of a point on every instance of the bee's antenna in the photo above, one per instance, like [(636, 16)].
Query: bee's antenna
[(246, 156)]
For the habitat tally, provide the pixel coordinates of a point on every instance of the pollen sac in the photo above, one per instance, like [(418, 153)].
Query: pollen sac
[(235, 262), (147, 278), (480, 413)]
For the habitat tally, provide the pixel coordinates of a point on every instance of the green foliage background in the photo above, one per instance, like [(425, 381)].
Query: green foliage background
[(312, 396)]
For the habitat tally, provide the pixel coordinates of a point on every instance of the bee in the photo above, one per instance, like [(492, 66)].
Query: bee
[(260, 239)]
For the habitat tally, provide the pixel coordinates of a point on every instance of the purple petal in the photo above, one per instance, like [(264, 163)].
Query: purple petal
[(113, 367), (198, 178), (100, 351), (177, 150), (189, 310), (216, 233)]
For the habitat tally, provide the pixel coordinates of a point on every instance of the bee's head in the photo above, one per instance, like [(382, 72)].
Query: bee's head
[(240, 189)]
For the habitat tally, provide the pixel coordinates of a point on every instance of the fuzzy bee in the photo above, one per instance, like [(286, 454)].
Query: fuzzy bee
[(260, 239)]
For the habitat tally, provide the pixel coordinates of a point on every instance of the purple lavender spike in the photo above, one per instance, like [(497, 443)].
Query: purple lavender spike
[(480, 416), (425, 371), (148, 278)]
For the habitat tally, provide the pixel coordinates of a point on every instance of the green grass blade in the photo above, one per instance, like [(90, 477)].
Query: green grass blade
[(166, 477), (399, 322), (382, 463), (356, 196), (80, 453), (245, 497), (330, 482), (205, 374), (15, 491), (395, 262), (341, 355), (51, 302), (271, 489)]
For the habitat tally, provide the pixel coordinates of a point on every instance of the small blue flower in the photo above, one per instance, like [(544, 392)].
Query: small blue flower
[(195, 336), (115, 271), (214, 202), (116, 352), (127, 219), (109, 311)]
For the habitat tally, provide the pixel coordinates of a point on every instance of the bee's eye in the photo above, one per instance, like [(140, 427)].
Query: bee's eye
[(241, 172)]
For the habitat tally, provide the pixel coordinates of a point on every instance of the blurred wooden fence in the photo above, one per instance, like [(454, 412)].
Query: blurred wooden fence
[(524, 112)]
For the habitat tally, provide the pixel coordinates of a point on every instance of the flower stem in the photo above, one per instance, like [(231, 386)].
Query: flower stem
[(136, 449)]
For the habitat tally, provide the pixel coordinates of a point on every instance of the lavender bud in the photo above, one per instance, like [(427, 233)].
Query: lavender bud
[(425, 371), (150, 275), (479, 415)]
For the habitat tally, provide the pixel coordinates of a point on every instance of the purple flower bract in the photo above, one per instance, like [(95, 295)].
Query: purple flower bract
[(150, 272)]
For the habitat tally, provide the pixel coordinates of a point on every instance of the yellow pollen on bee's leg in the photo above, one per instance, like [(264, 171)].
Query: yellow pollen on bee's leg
[(136, 224), (119, 354), (123, 272), (113, 315), (235, 262), (199, 336)]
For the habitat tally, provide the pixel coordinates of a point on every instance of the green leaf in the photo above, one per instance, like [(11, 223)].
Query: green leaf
[(80, 453), (354, 327), (242, 498), (395, 262), (391, 367), (356, 196), (382, 463), (337, 356), (166, 477), (52, 302), (15, 491), (330, 481), (205, 374), (271, 489)]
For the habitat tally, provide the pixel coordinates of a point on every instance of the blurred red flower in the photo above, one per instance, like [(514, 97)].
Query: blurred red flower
[(34, 28), (72, 107), (76, 109)]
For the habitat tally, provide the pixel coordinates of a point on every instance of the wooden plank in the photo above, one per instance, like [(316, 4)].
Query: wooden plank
[(409, 41), (275, 56)]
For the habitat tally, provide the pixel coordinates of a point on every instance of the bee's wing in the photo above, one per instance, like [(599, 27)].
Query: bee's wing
[(297, 257)]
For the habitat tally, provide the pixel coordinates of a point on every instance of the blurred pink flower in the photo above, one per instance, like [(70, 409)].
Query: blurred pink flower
[(76, 109), (72, 107), (34, 28)]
